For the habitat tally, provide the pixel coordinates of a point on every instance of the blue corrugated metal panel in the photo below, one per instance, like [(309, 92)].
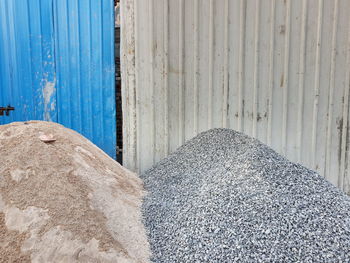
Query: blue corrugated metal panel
[(26, 58), (84, 50), (57, 63)]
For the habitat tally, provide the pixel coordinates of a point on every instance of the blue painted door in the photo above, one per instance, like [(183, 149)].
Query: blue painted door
[(57, 64)]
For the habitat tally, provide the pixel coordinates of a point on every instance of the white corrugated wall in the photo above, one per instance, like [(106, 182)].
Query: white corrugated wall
[(277, 70)]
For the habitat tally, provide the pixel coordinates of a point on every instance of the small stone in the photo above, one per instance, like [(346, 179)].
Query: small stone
[(244, 202)]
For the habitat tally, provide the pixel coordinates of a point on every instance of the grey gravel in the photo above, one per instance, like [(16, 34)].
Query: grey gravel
[(225, 197)]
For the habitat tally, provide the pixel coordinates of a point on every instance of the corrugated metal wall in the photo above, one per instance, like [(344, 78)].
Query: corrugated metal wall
[(277, 70), (57, 64), (26, 42), (84, 46)]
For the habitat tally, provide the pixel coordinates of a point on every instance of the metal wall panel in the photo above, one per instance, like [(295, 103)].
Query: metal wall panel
[(84, 50), (57, 64), (277, 70), (27, 71)]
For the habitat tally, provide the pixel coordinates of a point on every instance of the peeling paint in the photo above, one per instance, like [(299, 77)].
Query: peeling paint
[(48, 93)]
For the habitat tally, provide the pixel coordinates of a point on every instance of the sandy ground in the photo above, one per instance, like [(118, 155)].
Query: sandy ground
[(66, 201)]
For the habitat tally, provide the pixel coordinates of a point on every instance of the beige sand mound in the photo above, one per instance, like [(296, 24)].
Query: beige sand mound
[(66, 201)]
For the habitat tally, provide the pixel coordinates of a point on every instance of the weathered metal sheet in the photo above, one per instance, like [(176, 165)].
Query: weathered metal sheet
[(57, 64), (27, 70), (276, 70)]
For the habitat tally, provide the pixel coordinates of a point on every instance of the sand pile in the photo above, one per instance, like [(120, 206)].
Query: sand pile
[(65, 200), (225, 197)]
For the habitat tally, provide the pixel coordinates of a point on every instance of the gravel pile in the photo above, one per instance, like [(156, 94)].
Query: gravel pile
[(225, 197)]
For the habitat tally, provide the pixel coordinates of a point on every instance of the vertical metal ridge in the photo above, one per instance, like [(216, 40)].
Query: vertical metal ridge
[(151, 80), (31, 55), (256, 69), (301, 79), (137, 70), (90, 75), (166, 75), (55, 52), (344, 148), (13, 44), (241, 63), (196, 65), (317, 84), (181, 72), (271, 70), (91, 110), (331, 90), (79, 68), (68, 91), (346, 186), (101, 72), (3, 45), (226, 66), (82, 78), (41, 39), (211, 58), (286, 80), (130, 109)]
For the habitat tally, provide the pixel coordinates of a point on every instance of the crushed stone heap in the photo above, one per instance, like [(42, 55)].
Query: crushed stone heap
[(64, 200), (225, 197)]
